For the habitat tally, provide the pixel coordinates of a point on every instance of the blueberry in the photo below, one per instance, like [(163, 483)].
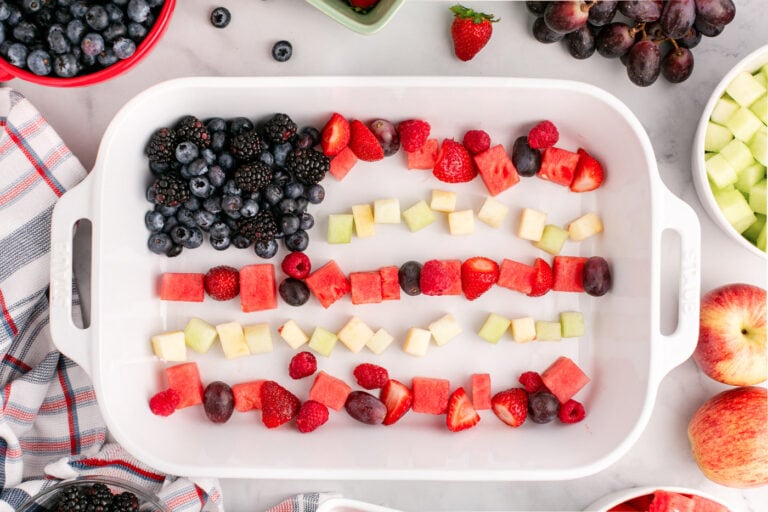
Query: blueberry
[(97, 18), (241, 242), (315, 194), (266, 249), (75, 31), (249, 209), (167, 211), (219, 230), (273, 193), (280, 178), (287, 206), (106, 58), (114, 31), (216, 124), (185, 217), (31, 6), (39, 62), (62, 16), (5, 11), (306, 221), (192, 204), (293, 189), (218, 141), (155, 3), (157, 168), (282, 51), (186, 152), (151, 194), (195, 239), (239, 125), (136, 31), (301, 204), (184, 172), (293, 291), (57, 39), (159, 243), (180, 234), (15, 17), (114, 12), (233, 215), (79, 8), (154, 221), (138, 10), (230, 204), (170, 223), (313, 132), (209, 156), (220, 17), (231, 189), (226, 161), (66, 66), (212, 204), (25, 32), (267, 158), (220, 243), (216, 175), (280, 153), (197, 167), (174, 251), (298, 241), (124, 48), (200, 187), (92, 44), (290, 224), (204, 219), (304, 141)]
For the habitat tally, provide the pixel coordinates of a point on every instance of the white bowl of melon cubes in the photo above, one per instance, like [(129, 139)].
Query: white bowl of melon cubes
[(730, 152)]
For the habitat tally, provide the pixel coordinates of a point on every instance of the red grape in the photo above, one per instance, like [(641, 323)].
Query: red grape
[(602, 13), (706, 28), (677, 65), (641, 10), (543, 33), (596, 276), (677, 17), (218, 402), (716, 12), (566, 16), (581, 42), (644, 63), (691, 39), (614, 39), (536, 7)]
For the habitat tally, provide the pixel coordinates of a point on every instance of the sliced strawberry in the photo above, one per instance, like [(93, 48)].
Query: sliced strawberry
[(543, 280), (511, 406), (278, 404), (478, 274), (398, 398), (335, 135), (589, 173), (364, 143), (461, 414), (413, 134), (454, 163)]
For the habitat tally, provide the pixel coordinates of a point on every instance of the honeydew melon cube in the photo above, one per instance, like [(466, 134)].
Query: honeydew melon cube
[(749, 176), (258, 337), (584, 227), (553, 238), (417, 341), (418, 216), (380, 341), (548, 331), (763, 79), (292, 334), (760, 108), (724, 108), (443, 201), (572, 324), (743, 124), (716, 137), (760, 243), (323, 341), (386, 211), (170, 346), (355, 334), (757, 197), (745, 89), (444, 329), (363, 220), (758, 146), (199, 335), (720, 171), (738, 155), (461, 222), (523, 329), (753, 231), (340, 228), (494, 328), (735, 208), (532, 224), (492, 212), (232, 340)]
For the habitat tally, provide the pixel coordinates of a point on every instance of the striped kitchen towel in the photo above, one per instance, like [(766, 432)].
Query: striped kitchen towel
[(50, 426)]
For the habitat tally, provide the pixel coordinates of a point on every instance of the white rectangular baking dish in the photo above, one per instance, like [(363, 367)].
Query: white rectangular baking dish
[(624, 350)]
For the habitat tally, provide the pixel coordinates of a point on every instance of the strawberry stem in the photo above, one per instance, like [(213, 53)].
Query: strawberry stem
[(460, 11)]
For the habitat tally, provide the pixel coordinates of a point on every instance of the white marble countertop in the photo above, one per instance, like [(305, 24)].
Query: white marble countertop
[(416, 42)]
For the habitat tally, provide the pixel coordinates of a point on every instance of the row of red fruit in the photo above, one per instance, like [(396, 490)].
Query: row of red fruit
[(542, 397)]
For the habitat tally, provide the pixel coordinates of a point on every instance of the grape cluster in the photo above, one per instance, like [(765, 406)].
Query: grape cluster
[(650, 37)]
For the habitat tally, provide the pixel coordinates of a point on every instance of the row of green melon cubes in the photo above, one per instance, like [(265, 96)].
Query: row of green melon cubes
[(736, 142)]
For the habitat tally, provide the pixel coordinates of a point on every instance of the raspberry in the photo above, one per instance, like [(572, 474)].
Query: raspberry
[(222, 283), (434, 279), (477, 141), (371, 376), (413, 134), (302, 365), (296, 265), (543, 135), (571, 412), (165, 402), (531, 381), (311, 415)]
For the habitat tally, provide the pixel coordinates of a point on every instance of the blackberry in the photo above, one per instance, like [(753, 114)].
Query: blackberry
[(247, 146), (252, 177), (194, 130), (71, 500), (262, 227), (125, 502), (280, 128), (99, 497), (307, 165), (170, 191), (161, 146)]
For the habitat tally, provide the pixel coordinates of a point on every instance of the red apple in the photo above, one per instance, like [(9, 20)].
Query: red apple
[(729, 437), (732, 347)]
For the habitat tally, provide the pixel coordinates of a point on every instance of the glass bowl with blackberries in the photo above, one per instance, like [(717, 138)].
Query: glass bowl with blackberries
[(106, 494), (70, 43)]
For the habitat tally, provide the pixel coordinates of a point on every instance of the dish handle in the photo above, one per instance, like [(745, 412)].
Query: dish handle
[(71, 340), (677, 347)]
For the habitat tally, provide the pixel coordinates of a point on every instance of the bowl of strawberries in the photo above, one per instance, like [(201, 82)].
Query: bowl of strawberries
[(362, 16)]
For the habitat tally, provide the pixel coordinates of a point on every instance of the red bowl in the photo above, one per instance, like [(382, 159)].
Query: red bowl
[(8, 71)]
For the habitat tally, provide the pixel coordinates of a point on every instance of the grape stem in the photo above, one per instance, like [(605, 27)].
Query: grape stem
[(674, 43), (640, 27)]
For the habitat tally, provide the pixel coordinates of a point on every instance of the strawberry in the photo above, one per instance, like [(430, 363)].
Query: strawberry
[(413, 134), (478, 274), (470, 31), (296, 265), (363, 4), (477, 141), (165, 402), (543, 280), (454, 163), (397, 397), (311, 415), (222, 283), (461, 414), (278, 405), (588, 175), (363, 142), (511, 406), (370, 376), (335, 135)]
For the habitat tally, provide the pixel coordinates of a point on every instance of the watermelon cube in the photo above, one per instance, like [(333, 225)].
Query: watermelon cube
[(481, 391), (496, 169), (516, 276), (558, 166), (329, 390), (328, 283), (664, 501), (257, 287), (185, 379), (390, 285), (424, 158), (366, 287), (564, 378), (182, 287), (247, 395), (430, 396), (568, 273), (453, 267), (641, 502), (342, 163), (705, 505), (623, 507)]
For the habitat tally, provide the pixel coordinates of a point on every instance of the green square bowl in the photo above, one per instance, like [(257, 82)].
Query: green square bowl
[(369, 23)]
